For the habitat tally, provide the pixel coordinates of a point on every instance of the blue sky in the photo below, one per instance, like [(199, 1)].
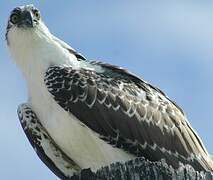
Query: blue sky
[(168, 43)]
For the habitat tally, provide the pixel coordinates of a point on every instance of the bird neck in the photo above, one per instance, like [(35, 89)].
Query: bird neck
[(34, 51)]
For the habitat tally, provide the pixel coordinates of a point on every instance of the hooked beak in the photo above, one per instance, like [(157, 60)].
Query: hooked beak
[(26, 19)]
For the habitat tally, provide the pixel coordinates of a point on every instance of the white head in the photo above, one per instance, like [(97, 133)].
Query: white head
[(25, 21), (26, 34), (30, 42), (25, 31)]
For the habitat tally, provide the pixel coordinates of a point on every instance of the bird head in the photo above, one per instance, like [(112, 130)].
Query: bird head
[(25, 32), (30, 42), (23, 21), (24, 17)]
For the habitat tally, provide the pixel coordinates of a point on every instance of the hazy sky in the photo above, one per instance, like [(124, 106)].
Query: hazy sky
[(168, 43)]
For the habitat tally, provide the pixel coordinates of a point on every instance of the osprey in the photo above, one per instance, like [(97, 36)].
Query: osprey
[(86, 114)]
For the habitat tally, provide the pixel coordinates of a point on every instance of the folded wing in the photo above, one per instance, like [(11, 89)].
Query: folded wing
[(55, 159), (128, 113)]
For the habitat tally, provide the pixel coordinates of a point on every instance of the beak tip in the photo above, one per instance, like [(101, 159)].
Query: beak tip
[(27, 19)]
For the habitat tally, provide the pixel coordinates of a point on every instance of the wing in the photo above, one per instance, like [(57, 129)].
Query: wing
[(69, 48), (128, 113), (56, 160)]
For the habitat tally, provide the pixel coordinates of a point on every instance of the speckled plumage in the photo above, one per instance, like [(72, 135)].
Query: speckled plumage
[(128, 113), (45, 147), (93, 113)]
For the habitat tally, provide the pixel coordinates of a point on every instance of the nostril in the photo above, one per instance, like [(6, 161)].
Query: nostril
[(35, 21)]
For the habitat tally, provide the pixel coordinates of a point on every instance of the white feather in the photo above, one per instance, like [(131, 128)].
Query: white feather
[(34, 50)]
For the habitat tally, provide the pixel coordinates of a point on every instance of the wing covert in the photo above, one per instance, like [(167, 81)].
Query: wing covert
[(47, 150), (128, 113)]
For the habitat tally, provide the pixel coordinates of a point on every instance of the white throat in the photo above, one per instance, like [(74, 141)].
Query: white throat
[(34, 50)]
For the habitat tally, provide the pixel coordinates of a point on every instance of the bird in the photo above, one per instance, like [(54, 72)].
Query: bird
[(89, 114)]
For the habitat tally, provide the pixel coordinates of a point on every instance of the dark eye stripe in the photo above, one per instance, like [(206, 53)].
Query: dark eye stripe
[(16, 11)]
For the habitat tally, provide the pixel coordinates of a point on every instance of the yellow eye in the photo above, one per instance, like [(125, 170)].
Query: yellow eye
[(36, 14), (14, 18)]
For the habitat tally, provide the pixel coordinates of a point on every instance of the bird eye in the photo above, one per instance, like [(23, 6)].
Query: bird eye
[(36, 13), (14, 18)]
